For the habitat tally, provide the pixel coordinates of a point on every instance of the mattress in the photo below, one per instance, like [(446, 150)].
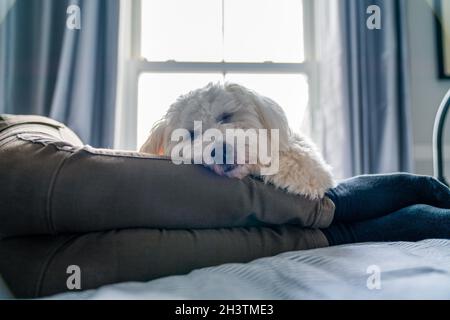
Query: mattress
[(396, 270)]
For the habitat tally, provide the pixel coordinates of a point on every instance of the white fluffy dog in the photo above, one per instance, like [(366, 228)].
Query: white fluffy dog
[(302, 169)]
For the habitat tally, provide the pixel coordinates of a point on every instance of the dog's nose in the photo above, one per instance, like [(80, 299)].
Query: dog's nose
[(228, 167), (224, 153)]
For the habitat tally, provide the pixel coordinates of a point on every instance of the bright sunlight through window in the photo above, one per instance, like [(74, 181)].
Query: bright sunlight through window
[(250, 33)]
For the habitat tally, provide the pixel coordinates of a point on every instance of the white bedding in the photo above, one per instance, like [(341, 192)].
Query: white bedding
[(408, 271)]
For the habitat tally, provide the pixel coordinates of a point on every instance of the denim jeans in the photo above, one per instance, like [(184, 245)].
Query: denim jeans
[(393, 207)]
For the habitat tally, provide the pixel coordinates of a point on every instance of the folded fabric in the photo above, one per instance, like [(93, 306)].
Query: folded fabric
[(40, 266), (53, 185)]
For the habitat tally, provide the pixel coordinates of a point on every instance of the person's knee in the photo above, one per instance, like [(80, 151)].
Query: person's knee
[(423, 184), (429, 180), (430, 185)]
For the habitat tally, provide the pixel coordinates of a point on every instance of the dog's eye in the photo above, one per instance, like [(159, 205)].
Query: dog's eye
[(224, 117)]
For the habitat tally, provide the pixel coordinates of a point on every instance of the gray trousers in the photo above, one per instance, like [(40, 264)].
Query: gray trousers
[(122, 216)]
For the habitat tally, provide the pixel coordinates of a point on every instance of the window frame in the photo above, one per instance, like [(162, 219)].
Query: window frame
[(132, 65)]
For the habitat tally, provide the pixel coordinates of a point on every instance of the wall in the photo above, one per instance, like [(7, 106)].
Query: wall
[(427, 90)]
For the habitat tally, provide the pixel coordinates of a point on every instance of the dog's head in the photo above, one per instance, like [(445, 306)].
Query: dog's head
[(219, 107)]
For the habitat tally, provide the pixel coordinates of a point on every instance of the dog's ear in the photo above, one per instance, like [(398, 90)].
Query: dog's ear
[(157, 139), (271, 115)]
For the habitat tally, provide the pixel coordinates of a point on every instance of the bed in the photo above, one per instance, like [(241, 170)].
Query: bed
[(309, 270), (407, 271)]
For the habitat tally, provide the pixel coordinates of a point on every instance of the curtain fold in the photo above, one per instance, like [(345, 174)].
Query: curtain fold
[(67, 74), (364, 115)]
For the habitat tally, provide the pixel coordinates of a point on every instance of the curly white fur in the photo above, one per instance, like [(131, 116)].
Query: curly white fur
[(302, 170)]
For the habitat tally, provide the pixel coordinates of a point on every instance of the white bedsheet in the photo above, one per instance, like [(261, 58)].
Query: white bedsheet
[(408, 271)]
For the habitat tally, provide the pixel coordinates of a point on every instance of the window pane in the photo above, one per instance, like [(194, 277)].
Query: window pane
[(263, 30), (181, 30), (289, 91), (157, 91)]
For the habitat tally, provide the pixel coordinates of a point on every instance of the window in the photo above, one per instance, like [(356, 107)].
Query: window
[(180, 45)]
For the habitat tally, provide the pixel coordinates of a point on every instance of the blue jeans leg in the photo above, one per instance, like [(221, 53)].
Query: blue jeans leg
[(371, 196), (413, 223)]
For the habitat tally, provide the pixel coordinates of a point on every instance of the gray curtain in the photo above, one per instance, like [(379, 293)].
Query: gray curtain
[(49, 69), (364, 116)]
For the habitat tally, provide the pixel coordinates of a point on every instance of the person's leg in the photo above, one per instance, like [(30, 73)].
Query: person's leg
[(414, 223), (370, 196)]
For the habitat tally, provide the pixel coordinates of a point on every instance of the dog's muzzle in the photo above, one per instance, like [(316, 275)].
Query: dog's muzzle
[(226, 167)]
